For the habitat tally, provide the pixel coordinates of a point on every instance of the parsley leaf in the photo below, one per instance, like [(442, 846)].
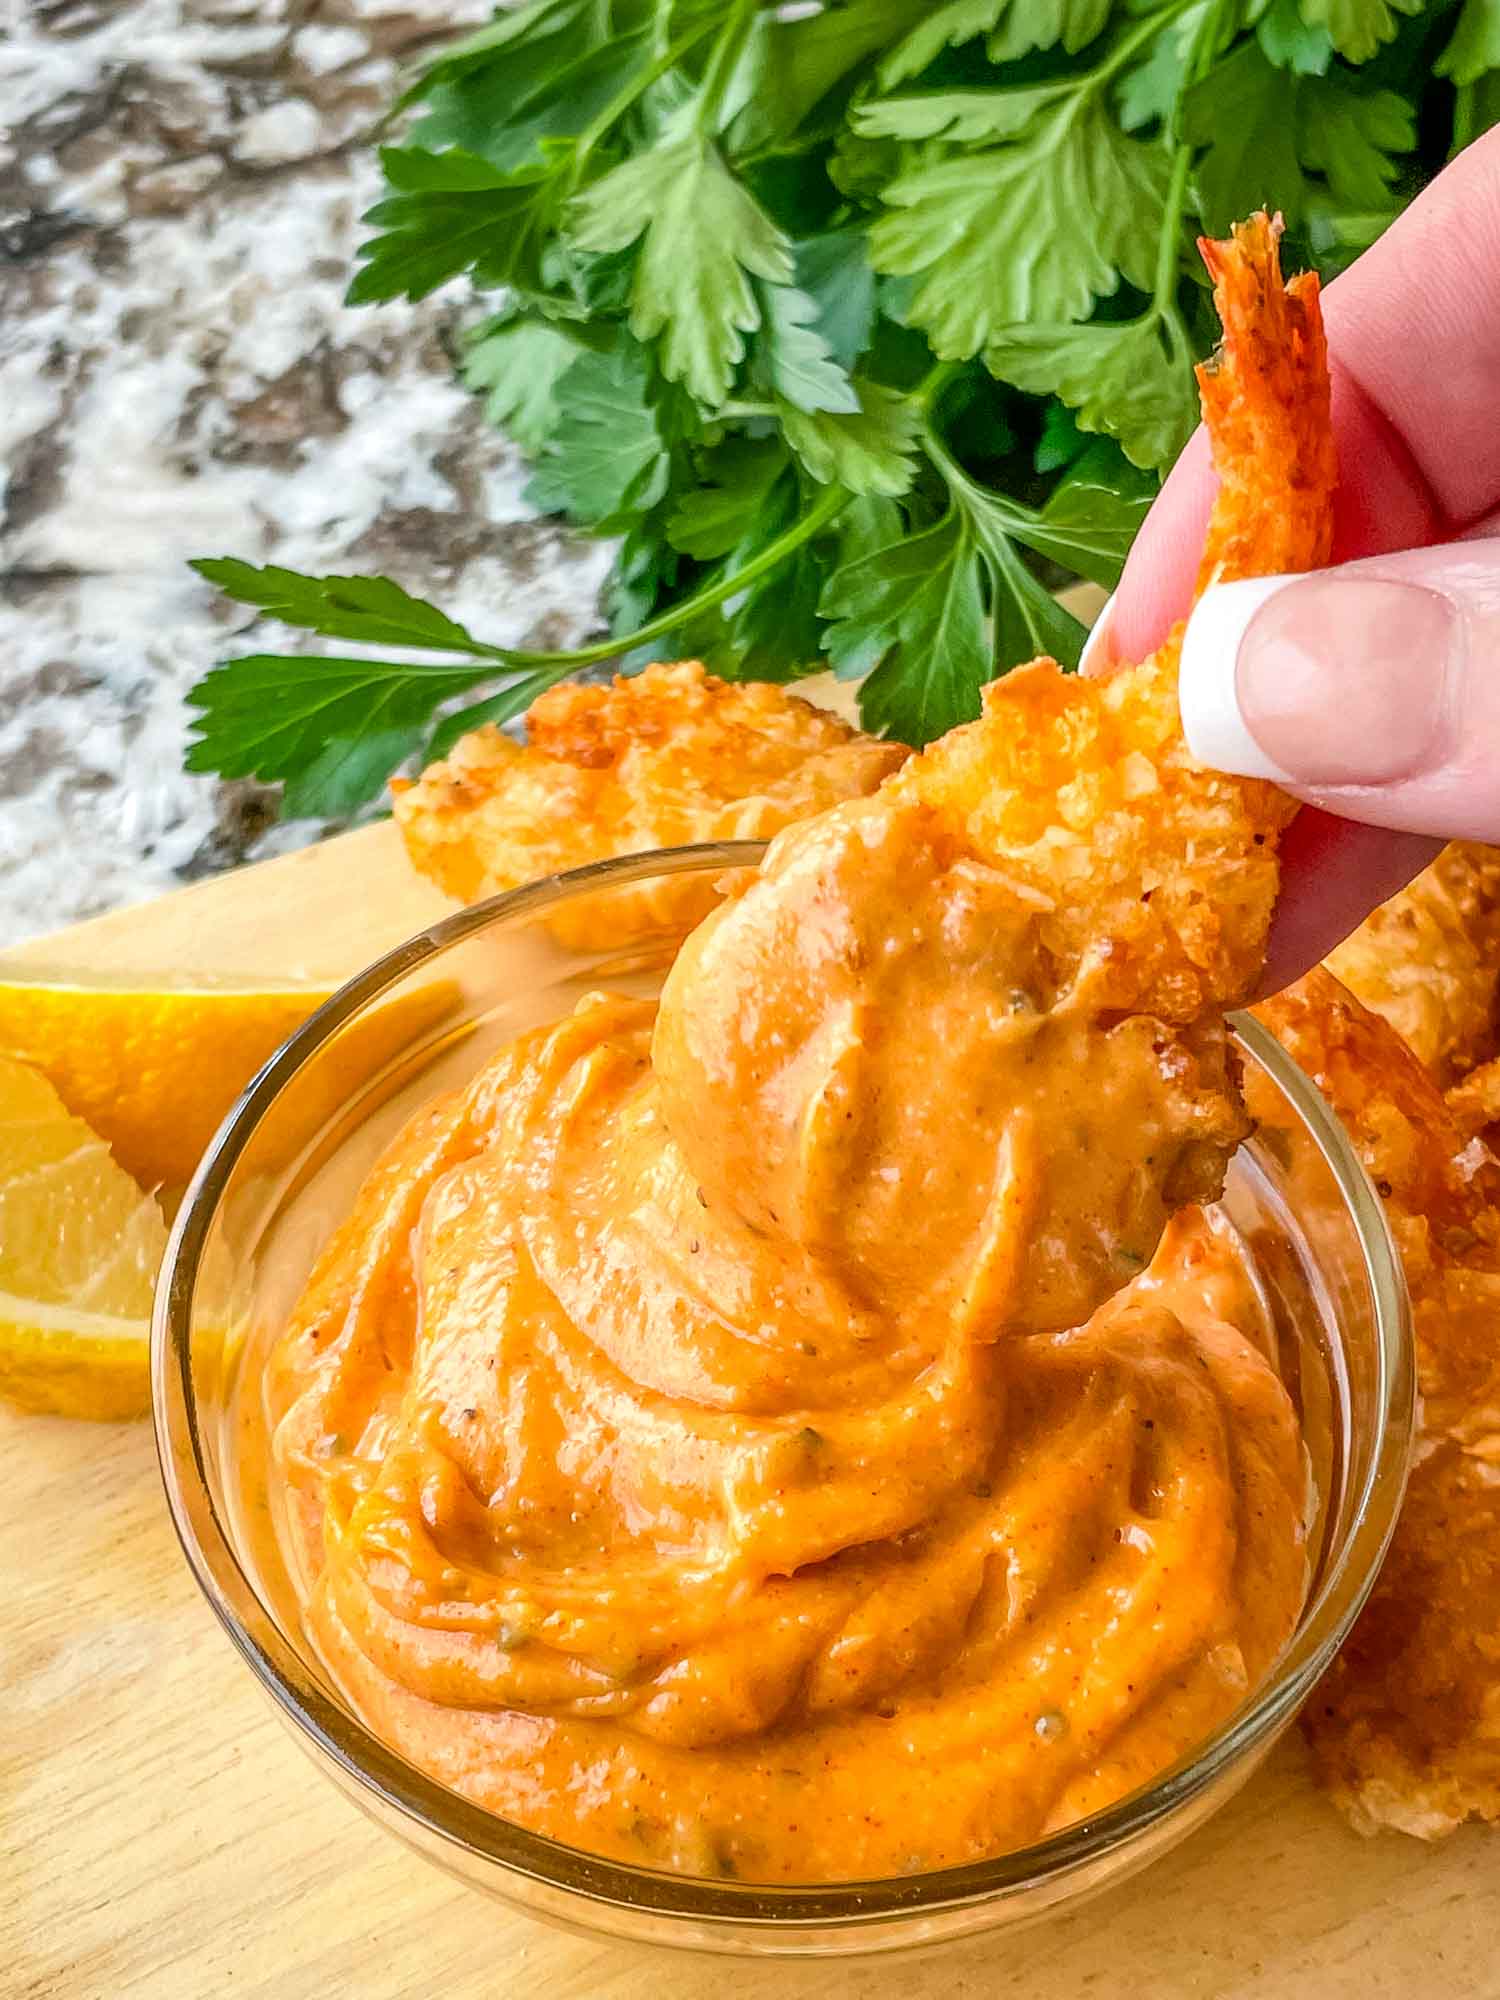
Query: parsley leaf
[(1061, 442), (533, 20), (1091, 518), (1013, 26), (504, 107), (1348, 136), (451, 211), (605, 455), (1475, 47), (368, 608), (911, 612), (517, 364), (1131, 379), (331, 728), (1357, 27), (917, 605), (1027, 620), (803, 369), (717, 516), (776, 633), (1238, 114), (704, 238), (1152, 88), (870, 450), (1029, 623), (1031, 230), (834, 270), (796, 66), (967, 116), (1290, 42), (646, 571)]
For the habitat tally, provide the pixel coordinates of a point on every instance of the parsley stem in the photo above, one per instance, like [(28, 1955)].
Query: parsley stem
[(600, 126), (934, 382), (960, 484), (726, 54), (832, 502), (1116, 59), (1164, 293)]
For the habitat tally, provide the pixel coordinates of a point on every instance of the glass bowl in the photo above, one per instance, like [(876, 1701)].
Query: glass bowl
[(282, 1171)]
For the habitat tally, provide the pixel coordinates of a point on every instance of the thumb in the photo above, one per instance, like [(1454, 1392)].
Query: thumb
[(1372, 690)]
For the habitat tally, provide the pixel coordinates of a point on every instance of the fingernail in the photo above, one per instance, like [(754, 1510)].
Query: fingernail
[(1095, 652), (1316, 680)]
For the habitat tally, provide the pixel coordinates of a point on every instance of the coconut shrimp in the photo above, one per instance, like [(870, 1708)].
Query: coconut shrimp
[(665, 757), (1032, 931)]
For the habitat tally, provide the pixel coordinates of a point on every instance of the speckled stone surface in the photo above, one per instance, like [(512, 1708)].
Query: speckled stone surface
[(180, 188)]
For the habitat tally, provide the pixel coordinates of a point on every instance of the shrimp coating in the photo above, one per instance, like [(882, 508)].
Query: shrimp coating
[(1047, 913), (1405, 1727), (1267, 414), (1429, 962), (668, 756), (1475, 1104)]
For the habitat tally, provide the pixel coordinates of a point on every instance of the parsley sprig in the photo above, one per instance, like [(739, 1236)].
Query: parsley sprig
[(859, 327)]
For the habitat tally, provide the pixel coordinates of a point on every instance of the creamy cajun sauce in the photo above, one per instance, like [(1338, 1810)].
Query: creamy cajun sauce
[(721, 1460)]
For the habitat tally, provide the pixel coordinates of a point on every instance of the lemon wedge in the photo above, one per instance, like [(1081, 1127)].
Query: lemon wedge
[(151, 1069), (80, 1244)]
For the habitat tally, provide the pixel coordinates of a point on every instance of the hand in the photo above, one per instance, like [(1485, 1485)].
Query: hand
[(1373, 691)]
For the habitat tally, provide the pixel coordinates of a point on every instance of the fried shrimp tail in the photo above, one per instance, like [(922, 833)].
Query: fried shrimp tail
[(1265, 395)]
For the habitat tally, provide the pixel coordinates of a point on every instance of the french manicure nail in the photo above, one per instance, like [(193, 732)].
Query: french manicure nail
[(1317, 680)]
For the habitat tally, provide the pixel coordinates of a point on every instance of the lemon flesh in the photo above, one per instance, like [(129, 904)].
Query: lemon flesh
[(80, 1245)]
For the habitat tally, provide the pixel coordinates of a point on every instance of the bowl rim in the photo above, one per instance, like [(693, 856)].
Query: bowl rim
[(447, 1819)]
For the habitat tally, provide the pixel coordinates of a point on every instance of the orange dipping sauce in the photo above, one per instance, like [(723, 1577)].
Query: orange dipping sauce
[(639, 1525)]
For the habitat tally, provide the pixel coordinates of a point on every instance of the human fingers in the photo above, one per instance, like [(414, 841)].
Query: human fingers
[(1371, 690), (1333, 873)]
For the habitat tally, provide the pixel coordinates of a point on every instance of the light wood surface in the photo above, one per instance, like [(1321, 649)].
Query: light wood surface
[(162, 1835), (315, 916)]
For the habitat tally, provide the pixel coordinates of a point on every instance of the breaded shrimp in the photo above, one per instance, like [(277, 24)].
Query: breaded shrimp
[(668, 756), (1429, 961), (1405, 1728), (1048, 911)]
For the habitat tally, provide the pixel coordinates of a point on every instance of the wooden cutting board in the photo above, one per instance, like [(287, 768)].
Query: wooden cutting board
[(161, 1834)]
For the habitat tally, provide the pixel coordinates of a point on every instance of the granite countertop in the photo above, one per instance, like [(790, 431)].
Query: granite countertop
[(179, 200)]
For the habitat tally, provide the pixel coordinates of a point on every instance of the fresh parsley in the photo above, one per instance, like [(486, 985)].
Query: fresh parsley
[(860, 326)]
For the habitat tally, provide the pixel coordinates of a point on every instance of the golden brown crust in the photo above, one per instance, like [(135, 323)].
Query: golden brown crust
[(1160, 875), (667, 756), (1475, 1104), (1429, 961), (1405, 1729)]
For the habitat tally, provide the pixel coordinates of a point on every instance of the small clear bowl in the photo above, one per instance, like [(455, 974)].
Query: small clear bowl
[(283, 1170)]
